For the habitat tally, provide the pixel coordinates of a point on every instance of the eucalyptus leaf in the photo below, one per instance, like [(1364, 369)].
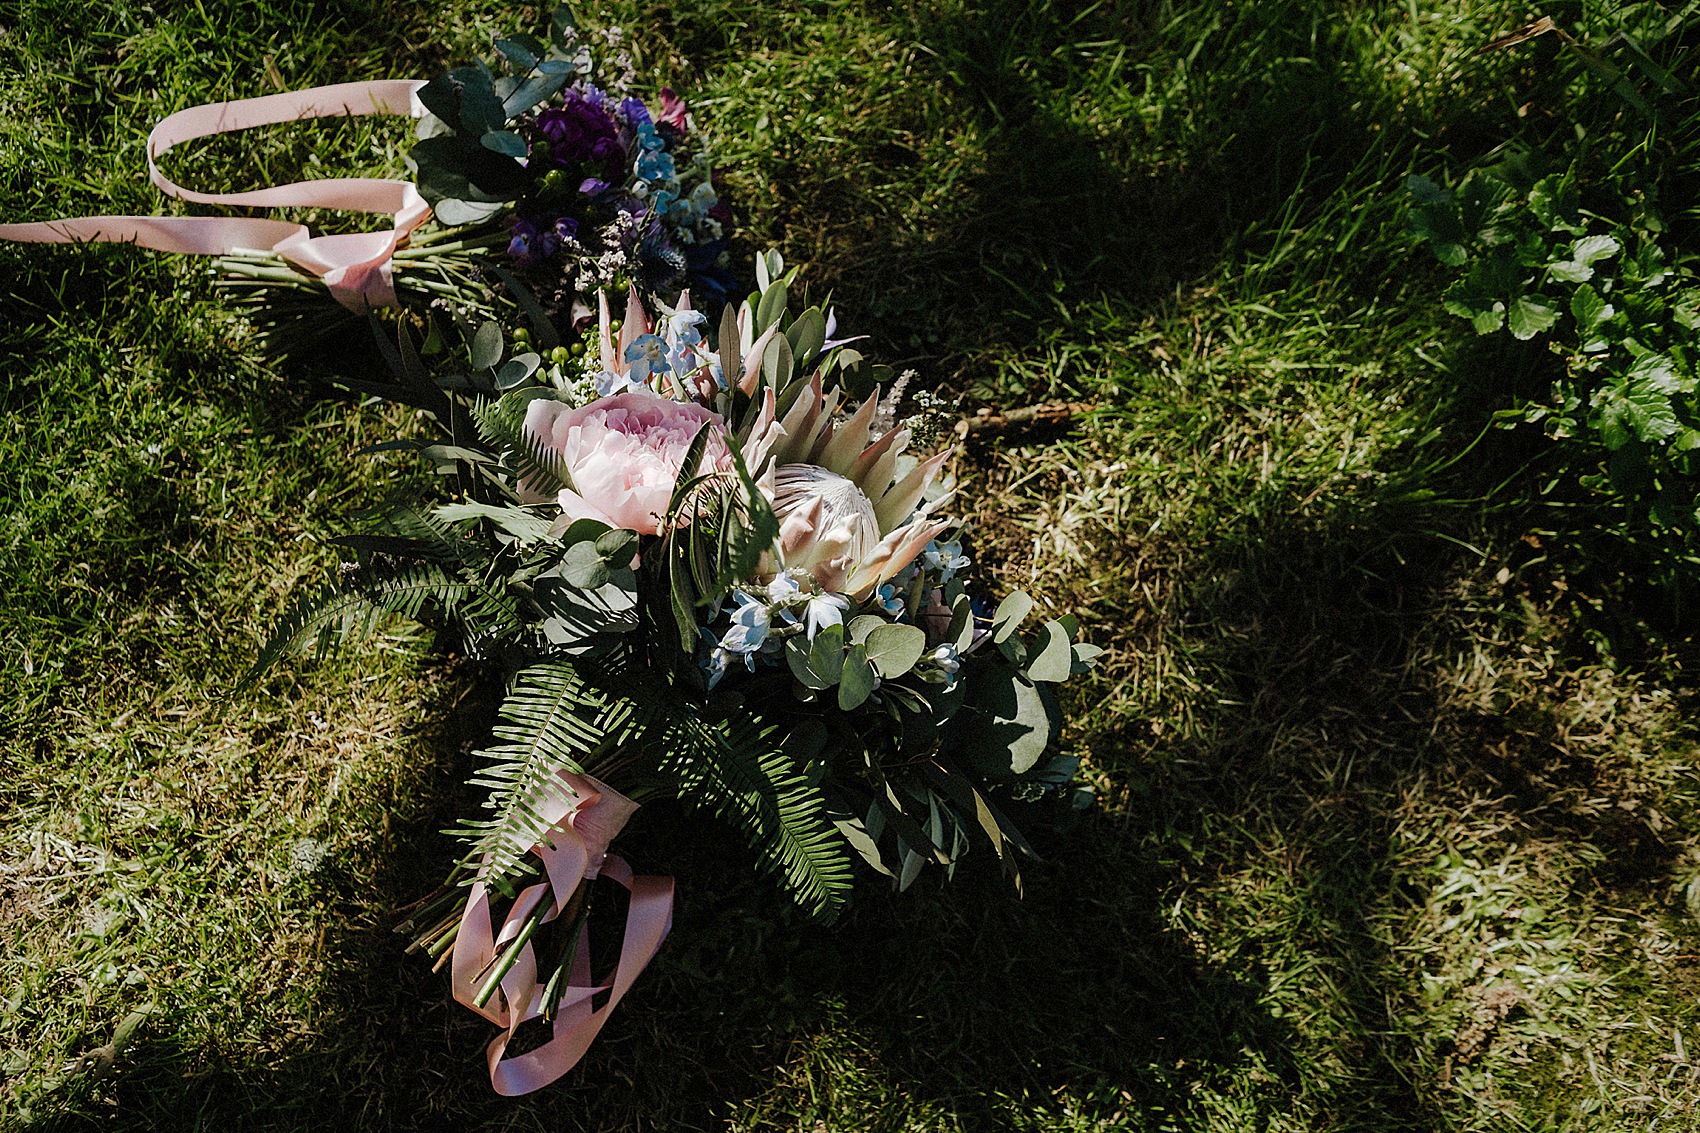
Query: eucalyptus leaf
[(797, 658), (561, 25), (1011, 612), (522, 50), (516, 370), (857, 680), (894, 649), (480, 110), (1085, 657), (1051, 657), (453, 212), (487, 346), (1005, 724), (961, 631), (584, 568), (505, 142), (583, 530), (616, 546), (826, 654), (441, 96), (537, 89), (862, 625)]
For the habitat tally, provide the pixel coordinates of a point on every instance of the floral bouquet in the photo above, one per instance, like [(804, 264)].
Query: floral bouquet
[(550, 180), (713, 569)]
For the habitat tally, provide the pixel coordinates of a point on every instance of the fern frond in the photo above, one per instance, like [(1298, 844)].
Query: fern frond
[(340, 614), (736, 769), (502, 425), (553, 720), (324, 621)]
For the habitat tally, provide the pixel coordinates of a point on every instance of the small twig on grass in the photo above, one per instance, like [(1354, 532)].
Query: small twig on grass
[(1027, 417)]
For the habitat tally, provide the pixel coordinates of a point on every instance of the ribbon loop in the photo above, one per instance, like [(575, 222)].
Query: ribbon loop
[(356, 268), (576, 850)]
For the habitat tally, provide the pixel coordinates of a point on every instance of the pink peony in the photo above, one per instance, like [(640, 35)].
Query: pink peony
[(624, 453)]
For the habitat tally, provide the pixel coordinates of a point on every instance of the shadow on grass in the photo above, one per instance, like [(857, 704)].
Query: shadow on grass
[(966, 996)]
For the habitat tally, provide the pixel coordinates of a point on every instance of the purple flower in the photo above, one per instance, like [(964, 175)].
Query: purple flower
[(635, 112), (529, 245), (592, 187), (580, 132), (566, 228)]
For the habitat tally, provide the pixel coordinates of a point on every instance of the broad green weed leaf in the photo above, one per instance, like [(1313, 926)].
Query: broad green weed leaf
[(1530, 315)]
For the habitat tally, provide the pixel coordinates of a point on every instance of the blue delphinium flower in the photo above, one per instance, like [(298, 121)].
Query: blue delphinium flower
[(751, 621), (681, 332), (647, 355), (529, 245), (653, 165), (947, 662), (634, 111), (607, 383)]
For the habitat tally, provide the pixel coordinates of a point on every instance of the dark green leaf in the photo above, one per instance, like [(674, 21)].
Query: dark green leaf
[(480, 109), (505, 142), (561, 23), (533, 91), (523, 51), (441, 96)]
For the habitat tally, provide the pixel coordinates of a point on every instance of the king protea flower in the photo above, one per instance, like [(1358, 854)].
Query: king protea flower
[(845, 517)]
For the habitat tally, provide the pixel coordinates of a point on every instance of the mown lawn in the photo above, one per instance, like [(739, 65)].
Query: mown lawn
[(1397, 813)]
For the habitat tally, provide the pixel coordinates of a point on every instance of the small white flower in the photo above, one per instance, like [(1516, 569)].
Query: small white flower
[(824, 610)]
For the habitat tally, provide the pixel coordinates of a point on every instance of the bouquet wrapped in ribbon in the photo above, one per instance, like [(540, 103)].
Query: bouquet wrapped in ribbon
[(535, 186), (551, 181), (718, 564)]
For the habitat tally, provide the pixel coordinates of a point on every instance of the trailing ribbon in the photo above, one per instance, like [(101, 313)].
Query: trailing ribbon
[(356, 267), (576, 848)]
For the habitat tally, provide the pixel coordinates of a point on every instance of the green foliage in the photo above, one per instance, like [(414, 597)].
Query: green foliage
[(742, 770), (1604, 298), (553, 721), (467, 163)]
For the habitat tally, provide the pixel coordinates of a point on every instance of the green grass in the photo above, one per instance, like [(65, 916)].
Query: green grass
[(1398, 813)]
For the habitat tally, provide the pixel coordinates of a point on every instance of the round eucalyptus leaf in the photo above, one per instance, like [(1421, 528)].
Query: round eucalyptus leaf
[(894, 649), (1006, 722)]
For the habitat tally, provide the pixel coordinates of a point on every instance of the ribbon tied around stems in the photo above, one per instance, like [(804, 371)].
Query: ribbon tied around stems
[(355, 267), (576, 850)]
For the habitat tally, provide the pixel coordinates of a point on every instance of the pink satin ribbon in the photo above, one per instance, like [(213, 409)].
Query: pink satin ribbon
[(356, 267), (583, 828)]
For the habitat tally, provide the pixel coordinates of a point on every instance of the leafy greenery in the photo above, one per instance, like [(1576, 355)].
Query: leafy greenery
[(1619, 315), (1563, 241)]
